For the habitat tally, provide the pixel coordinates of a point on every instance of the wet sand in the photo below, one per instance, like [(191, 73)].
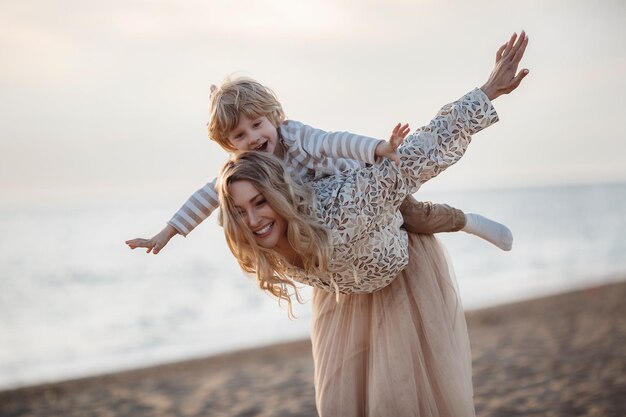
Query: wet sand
[(563, 355)]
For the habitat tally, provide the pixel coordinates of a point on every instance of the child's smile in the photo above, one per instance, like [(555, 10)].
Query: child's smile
[(262, 147), (258, 134)]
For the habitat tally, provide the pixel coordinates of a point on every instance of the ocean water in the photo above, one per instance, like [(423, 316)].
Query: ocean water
[(75, 301)]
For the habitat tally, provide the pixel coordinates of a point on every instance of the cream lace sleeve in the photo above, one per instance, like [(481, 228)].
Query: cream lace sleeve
[(367, 194)]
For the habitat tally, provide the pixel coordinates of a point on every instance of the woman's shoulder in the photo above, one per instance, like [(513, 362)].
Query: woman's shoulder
[(326, 190), (338, 203)]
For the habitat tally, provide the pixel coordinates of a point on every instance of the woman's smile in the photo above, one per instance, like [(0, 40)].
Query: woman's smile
[(264, 231), (268, 227)]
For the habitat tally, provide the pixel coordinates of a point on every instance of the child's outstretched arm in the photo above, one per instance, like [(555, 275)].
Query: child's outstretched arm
[(309, 148), (195, 210), (156, 243)]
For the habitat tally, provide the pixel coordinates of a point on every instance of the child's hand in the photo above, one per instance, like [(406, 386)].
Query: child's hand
[(388, 149), (155, 244)]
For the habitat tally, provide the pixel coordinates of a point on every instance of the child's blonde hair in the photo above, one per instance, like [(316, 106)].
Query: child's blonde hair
[(236, 97), (290, 199)]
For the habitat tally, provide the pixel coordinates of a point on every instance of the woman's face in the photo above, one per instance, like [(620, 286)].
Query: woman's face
[(267, 226)]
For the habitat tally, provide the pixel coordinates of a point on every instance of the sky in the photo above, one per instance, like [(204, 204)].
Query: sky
[(106, 99)]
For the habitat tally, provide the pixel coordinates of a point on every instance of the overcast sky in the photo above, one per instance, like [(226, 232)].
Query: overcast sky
[(101, 99)]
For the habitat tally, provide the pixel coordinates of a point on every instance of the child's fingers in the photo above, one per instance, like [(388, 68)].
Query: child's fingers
[(140, 243), (132, 243), (394, 132), (405, 130)]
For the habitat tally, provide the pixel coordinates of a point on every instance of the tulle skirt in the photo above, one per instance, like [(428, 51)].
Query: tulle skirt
[(401, 351)]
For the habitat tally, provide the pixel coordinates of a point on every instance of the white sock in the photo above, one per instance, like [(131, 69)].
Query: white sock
[(491, 231)]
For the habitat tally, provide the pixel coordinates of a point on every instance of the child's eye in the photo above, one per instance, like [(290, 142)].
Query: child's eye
[(261, 202), (257, 124)]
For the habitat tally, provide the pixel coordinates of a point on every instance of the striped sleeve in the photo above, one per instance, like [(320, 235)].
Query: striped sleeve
[(196, 209), (321, 145)]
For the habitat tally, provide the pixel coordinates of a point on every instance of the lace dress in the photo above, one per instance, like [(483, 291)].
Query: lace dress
[(389, 335)]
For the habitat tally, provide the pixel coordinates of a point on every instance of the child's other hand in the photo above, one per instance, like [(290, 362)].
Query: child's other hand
[(389, 149), (156, 243)]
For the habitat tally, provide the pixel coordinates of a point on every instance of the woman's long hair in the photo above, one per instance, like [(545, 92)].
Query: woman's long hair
[(290, 199)]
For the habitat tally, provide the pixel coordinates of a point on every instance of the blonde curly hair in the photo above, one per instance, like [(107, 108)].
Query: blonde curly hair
[(290, 199)]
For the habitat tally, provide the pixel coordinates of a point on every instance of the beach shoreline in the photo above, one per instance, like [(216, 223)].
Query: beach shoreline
[(560, 355)]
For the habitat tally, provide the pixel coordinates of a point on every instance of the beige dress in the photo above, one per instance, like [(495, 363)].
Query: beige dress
[(400, 351), (389, 335)]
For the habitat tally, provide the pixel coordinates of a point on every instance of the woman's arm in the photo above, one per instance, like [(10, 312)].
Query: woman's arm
[(423, 155), (503, 79), (319, 145), (432, 148)]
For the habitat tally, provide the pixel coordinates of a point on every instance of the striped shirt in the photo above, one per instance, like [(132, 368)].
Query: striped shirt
[(309, 152)]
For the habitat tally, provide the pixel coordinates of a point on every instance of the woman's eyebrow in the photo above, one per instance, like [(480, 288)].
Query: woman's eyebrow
[(256, 197)]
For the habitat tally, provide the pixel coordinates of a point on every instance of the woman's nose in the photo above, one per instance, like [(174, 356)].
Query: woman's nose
[(253, 219)]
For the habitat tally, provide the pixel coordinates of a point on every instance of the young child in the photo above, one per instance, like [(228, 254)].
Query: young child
[(245, 115)]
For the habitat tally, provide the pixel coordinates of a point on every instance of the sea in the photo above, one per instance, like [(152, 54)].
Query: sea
[(75, 301)]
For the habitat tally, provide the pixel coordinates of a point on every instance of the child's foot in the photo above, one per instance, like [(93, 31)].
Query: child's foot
[(491, 231)]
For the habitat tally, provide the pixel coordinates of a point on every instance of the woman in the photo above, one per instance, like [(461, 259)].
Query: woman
[(389, 336)]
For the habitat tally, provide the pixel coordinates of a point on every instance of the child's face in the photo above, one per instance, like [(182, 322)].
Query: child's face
[(258, 134)]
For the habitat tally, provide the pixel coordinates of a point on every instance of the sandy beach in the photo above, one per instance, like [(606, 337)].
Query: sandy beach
[(563, 355)]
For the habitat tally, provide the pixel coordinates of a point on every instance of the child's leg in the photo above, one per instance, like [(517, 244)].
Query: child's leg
[(491, 231), (427, 218)]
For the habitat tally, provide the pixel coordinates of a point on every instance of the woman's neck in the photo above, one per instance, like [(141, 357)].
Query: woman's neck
[(284, 248)]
